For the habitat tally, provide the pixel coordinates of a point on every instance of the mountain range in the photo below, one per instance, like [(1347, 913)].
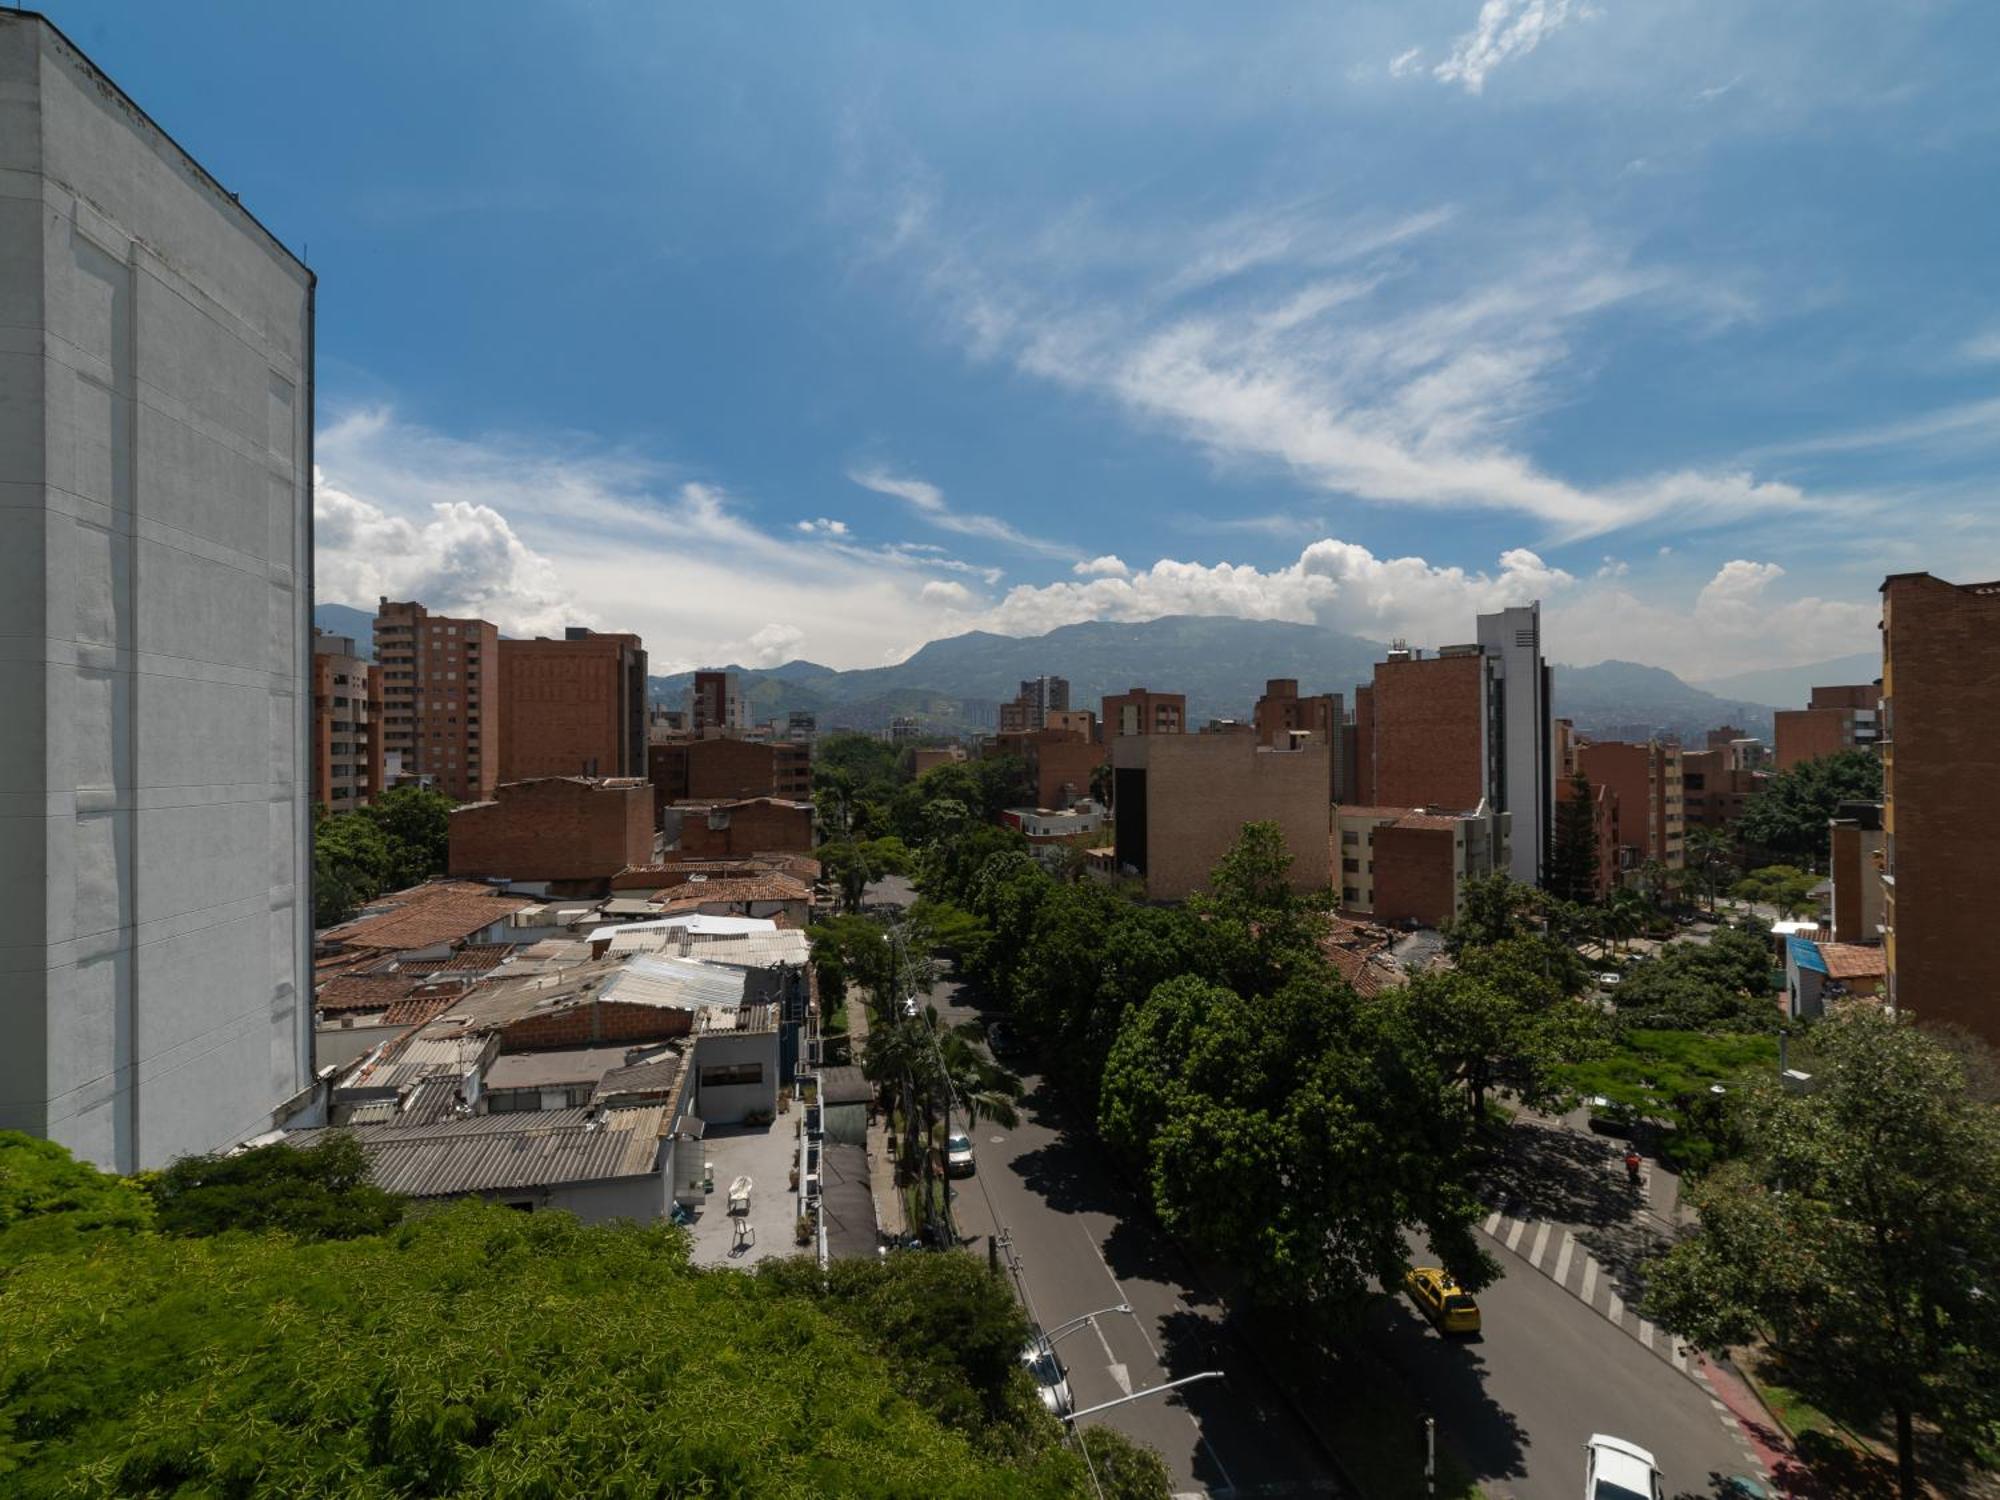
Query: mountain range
[(1791, 687)]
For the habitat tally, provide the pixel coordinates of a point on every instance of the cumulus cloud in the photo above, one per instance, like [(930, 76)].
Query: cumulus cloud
[(1107, 566), (928, 501), (772, 646), (823, 527), (1505, 29), (461, 558), (948, 592)]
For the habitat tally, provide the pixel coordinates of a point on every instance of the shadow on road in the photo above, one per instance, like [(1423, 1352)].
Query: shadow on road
[(1452, 1375), (1563, 1176)]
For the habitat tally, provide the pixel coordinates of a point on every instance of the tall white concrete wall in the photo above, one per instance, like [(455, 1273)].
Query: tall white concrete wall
[(1513, 637), (155, 557)]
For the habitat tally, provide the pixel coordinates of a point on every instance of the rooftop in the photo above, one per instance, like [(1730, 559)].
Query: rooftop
[(765, 1154), (767, 887), (1853, 961), (499, 1153), (439, 911), (571, 1066)]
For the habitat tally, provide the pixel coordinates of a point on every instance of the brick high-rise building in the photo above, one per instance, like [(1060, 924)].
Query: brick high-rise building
[(721, 770), (156, 430), (1181, 801), (347, 725), (440, 700), (1844, 717), (1716, 785), (1031, 706), (1143, 712), (1281, 712), (1428, 717), (715, 704), (1940, 796), (1646, 780), (1855, 863), (573, 707)]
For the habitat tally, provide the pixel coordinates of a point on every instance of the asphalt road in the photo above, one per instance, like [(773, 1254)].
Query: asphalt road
[(1080, 1249), (1548, 1371)]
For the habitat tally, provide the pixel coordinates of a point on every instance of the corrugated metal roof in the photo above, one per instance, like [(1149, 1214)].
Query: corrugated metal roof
[(501, 1153), (567, 1065), (656, 979)]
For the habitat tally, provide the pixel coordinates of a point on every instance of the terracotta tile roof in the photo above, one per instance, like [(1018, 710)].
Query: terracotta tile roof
[(768, 887), (1853, 961), (419, 1010), (1369, 973), (442, 911), (480, 960), (346, 992)]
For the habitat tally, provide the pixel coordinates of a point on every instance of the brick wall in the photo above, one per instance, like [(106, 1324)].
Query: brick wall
[(571, 707), (599, 1021), (554, 829), (1361, 766), (759, 826), (1808, 733), (1061, 760), (1415, 875), (1429, 732)]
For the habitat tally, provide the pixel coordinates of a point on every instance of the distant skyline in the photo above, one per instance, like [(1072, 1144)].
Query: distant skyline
[(818, 332)]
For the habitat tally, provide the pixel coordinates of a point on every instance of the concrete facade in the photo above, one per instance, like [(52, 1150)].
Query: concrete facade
[(1281, 712), (347, 725), (1521, 779), (1940, 796), (573, 707), (556, 828), (156, 397), (1181, 801), (439, 706), (1143, 712)]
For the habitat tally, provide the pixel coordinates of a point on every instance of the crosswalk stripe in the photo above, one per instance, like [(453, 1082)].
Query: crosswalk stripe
[(1645, 1333), (1615, 1309), (1493, 1221), (1563, 1257), (1589, 1278), (1541, 1244), (1680, 1357), (1514, 1235)]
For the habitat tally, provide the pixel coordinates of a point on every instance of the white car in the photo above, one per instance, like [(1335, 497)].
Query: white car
[(1617, 1470), (1608, 980), (1051, 1379), (958, 1154)]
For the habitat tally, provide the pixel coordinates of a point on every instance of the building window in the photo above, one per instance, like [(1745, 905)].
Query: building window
[(1349, 894), (1350, 866), (724, 1075)]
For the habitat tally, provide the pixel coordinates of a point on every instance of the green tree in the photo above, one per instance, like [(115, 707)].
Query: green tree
[(852, 950), (1861, 1236), (1711, 855), (1721, 985), (1785, 887), (416, 823), (40, 1181), (318, 1192), (1573, 852), (1492, 909), (354, 861), (1494, 1022), (1788, 817), (854, 864)]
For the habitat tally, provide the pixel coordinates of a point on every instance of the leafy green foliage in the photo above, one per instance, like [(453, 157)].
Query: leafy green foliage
[(1721, 985), (318, 1192), (1861, 1235), (854, 864), (1573, 853), (1789, 816), (401, 839), (1668, 1076), (1293, 1137), (479, 1351), (1496, 1022), (40, 1181), (1786, 887)]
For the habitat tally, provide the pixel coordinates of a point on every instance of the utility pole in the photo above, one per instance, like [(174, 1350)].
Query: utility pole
[(1430, 1455)]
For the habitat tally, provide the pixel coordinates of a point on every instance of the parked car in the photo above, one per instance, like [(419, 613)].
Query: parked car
[(1051, 1379), (1607, 1117), (1608, 980), (1617, 1470), (958, 1154), (1449, 1307)]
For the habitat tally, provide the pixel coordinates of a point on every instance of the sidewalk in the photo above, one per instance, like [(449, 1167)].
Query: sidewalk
[(881, 1170)]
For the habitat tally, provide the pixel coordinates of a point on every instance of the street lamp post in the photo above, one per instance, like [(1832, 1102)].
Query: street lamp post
[(1151, 1390)]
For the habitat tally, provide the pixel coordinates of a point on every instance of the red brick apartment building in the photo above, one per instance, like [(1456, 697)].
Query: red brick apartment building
[(752, 825), (573, 707), (1426, 742), (725, 770), (439, 701), (1940, 710), (1603, 814), (1059, 762), (1281, 712), (1838, 718), (1143, 712), (1715, 786), (1646, 781), (555, 828), (347, 725)]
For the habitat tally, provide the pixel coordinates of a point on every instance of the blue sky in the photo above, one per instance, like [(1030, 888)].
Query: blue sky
[(826, 330)]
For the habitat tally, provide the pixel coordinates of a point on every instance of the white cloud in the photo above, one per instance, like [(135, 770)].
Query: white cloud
[(1613, 568), (1505, 29), (948, 592), (462, 558), (1405, 63), (1107, 566), (1982, 348), (929, 502), (534, 535), (823, 527)]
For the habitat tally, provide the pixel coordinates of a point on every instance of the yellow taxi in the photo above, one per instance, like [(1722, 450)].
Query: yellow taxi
[(1441, 1300)]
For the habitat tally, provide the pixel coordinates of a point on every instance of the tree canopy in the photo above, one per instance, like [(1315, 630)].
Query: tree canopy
[(1860, 1235), (400, 839), (1789, 816), (1721, 985), (477, 1351), (318, 1192)]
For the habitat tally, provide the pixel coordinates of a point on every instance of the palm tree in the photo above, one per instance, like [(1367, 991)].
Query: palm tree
[(982, 1088), (1624, 915), (1710, 852), (1101, 781)]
